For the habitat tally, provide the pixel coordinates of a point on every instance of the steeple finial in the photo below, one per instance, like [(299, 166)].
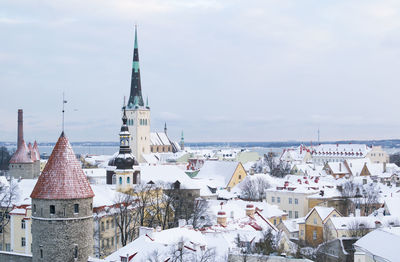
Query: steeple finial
[(124, 118), (136, 42), (63, 112)]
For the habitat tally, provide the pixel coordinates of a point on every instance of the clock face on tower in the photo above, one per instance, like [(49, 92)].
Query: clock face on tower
[(124, 141)]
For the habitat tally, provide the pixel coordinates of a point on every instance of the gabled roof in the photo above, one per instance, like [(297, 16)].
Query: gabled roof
[(62, 177), (220, 172), (323, 212), (381, 243)]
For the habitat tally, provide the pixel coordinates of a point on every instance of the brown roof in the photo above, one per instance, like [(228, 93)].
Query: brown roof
[(21, 155), (62, 177)]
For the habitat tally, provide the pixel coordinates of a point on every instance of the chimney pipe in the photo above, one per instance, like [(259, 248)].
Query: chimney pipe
[(20, 127)]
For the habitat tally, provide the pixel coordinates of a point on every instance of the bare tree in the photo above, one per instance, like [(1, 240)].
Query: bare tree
[(272, 164), (365, 197), (126, 216), (254, 188), (357, 228), (8, 196)]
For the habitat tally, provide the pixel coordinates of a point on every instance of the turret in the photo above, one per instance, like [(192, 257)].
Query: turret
[(62, 209)]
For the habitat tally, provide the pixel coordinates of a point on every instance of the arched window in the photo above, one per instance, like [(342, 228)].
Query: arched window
[(76, 252), (128, 180), (114, 179), (120, 180)]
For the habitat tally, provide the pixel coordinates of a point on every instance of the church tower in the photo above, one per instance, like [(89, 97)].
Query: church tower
[(138, 114), (62, 209), (127, 171)]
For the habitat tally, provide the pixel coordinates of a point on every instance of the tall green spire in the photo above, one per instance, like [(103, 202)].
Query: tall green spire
[(136, 87)]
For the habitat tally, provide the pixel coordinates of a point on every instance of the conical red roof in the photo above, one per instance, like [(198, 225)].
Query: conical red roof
[(21, 155), (62, 177)]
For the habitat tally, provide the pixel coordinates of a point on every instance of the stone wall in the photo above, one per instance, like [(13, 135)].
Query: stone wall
[(14, 257)]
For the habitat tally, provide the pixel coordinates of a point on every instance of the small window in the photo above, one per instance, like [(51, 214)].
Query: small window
[(120, 180), (34, 208), (102, 225), (290, 200), (273, 199), (107, 224), (76, 252), (52, 209), (314, 235), (296, 201), (128, 180), (278, 199), (23, 242), (76, 208), (23, 224), (315, 221), (296, 214), (41, 253), (290, 214), (112, 223)]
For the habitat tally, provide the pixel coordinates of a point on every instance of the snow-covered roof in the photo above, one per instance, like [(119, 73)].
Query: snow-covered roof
[(162, 243), (382, 243), (167, 174), (292, 225), (351, 223), (95, 172), (218, 173), (392, 204), (341, 150), (236, 209), (338, 168), (356, 165), (159, 139), (323, 212)]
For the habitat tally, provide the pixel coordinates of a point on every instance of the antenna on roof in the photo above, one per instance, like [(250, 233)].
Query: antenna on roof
[(63, 111), (318, 135)]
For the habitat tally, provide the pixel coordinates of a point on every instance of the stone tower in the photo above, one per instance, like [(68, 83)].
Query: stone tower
[(25, 162), (62, 203), (137, 113)]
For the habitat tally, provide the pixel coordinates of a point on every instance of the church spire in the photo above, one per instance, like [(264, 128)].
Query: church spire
[(136, 87)]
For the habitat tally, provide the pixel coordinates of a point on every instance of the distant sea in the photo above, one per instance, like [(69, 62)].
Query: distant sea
[(109, 148)]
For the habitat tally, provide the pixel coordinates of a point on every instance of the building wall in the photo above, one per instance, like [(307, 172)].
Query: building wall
[(315, 223), (377, 155), (107, 236), (238, 176), (140, 132), (56, 236), (24, 170), (284, 202), (18, 233)]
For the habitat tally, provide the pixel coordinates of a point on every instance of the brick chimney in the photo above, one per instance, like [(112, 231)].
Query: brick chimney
[(221, 218), (20, 127), (250, 210)]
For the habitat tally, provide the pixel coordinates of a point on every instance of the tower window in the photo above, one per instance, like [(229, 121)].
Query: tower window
[(34, 208), (76, 252), (41, 253), (52, 209), (120, 180), (128, 180), (76, 208)]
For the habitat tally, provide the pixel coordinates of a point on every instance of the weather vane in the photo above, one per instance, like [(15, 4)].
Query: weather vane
[(63, 111)]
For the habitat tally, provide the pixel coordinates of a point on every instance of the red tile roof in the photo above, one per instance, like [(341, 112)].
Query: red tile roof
[(62, 177), (21, 155)]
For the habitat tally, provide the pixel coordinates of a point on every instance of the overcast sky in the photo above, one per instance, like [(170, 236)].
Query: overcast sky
[(223, 70)]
